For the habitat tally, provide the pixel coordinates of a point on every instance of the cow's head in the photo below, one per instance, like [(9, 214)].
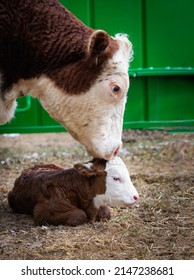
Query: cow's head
[(92, 105), (101, 116)]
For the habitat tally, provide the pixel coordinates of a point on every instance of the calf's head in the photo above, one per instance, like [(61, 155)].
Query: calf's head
[(118, 189), (92, 104)]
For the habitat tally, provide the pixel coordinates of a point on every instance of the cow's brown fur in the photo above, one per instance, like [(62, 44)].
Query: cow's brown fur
[(58, 196), (44, 38)]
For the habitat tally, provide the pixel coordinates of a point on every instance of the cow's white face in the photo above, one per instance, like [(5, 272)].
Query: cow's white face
[(95, 118), (101, 129), (119, 188)]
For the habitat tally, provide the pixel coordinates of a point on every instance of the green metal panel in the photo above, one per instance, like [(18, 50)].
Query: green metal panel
[(170, 102), (168, 59), (80, 8), (165, 71), (124, 16), (27, 115), (169, 33), (135, 102)]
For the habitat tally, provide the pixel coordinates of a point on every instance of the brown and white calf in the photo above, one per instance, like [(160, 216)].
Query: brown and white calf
[(55, 195), (80, 75)]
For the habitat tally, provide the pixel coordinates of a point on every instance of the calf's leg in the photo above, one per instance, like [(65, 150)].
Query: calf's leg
[(44, 214), (103, 214), (76, 217)]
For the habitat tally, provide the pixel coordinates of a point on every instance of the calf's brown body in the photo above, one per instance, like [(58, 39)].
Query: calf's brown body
[(54, 195)]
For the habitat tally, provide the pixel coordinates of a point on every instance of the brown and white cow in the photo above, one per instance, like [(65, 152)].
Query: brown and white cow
[(80, 75)]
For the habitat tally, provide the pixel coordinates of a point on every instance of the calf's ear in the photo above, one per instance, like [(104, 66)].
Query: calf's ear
[(98, 43), (88, 170)]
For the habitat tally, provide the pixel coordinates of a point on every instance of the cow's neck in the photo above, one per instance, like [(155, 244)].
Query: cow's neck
[(56, 101)]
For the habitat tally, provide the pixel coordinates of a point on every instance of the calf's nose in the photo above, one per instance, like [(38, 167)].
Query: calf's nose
[(136, 197)]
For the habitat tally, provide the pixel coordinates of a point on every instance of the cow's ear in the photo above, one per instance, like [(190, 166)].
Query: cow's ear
[(98, 43)]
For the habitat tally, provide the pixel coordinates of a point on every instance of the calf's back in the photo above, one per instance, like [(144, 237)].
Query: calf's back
[(41, 183)]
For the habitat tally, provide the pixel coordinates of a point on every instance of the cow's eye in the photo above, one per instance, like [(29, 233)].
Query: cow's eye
[(115, 88), (117, 179)]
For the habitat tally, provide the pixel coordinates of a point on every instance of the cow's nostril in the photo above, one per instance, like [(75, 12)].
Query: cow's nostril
[(136, 197), (116, 151)]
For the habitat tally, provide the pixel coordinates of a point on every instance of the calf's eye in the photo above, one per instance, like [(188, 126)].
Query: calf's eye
[(117, 179)]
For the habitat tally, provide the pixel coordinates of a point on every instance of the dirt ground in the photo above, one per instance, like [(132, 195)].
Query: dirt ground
[(159, 227)]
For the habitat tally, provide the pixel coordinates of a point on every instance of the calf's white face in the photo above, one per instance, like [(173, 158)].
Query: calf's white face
[(119, 188)]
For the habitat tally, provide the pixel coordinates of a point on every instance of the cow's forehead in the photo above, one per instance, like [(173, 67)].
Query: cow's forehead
[(120, 61)]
